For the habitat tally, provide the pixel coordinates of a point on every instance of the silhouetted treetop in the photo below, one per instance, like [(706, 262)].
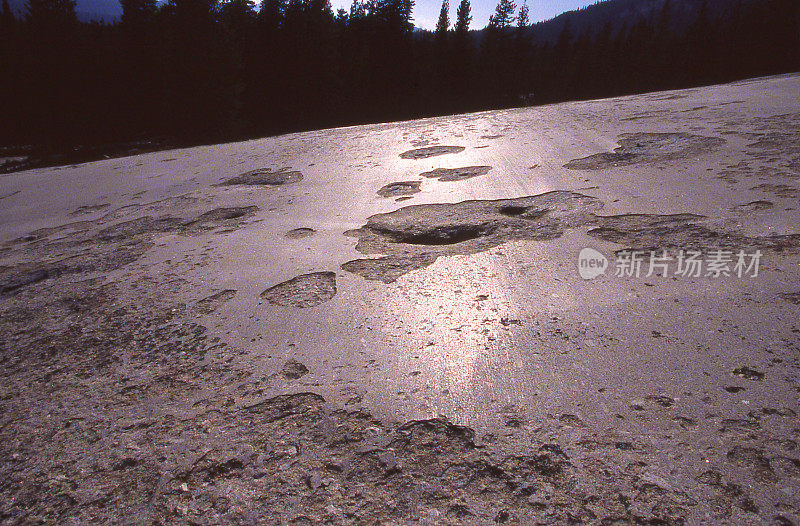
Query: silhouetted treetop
[(443, 24), (463, 17)]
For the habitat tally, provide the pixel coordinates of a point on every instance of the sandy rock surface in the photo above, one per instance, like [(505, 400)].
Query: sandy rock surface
[(260, 333)]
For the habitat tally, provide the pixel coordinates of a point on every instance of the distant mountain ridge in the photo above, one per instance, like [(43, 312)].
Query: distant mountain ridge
[(625, 13), (101, 10)]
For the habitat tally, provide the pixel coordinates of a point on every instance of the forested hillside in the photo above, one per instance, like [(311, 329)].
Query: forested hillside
[(192, 71)]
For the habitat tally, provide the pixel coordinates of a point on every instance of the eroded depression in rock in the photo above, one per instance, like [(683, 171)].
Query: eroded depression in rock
[(648, 147), (400, 188), (456, 174), (265, 177), (306, 290), (414, 236), (430, 151)]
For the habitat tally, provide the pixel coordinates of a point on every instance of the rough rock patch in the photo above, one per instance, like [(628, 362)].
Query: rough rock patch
[(89, 209), (648, 147), (389, 268), (400, 188), (139, 227), (89, 246), (218, 215), (430, 151), (306, 290), (653, 231), (792, 297), (301, 232), (457, 174), (25, 275), (215, 301), (265, 177), (779, 190), (293, 370), (794, 165), (754, 206), (414, 236)]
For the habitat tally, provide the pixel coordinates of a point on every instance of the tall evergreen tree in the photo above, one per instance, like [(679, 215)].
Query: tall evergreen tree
[(463, 17), (444, 20), (522, 18), (503, 15)]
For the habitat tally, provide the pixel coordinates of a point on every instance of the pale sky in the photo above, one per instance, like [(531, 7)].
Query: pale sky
[(426, 12)]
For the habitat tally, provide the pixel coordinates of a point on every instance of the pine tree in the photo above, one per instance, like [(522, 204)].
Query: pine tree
[(444, 20), (503, 15), (463, 17), (522, 18)]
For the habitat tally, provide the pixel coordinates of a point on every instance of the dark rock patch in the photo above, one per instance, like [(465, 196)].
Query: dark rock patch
[(215, 301), (219, 215), (649, 231), (293, 370), (265, 177), (648, 147), (139, 227), (25, 275), (146, 225), (89, 209), (400, 188), (307, 290), (755, 460), (792, 297), (284, 406), (794, 165), (754, 206), (388, 269), (430, 151), (90, 246), (456, 174), (749, 374), (301, 232), (779, 190)]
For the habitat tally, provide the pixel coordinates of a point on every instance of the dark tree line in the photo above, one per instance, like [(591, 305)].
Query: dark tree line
[(192, 71)]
